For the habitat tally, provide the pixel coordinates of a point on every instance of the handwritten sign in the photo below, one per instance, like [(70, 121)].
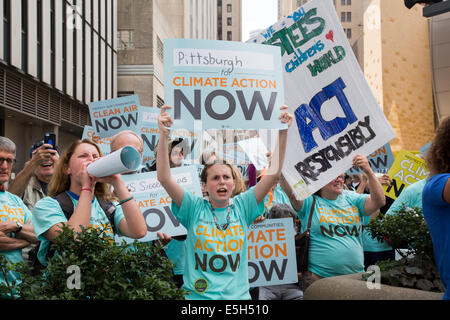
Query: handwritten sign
[(336, 114), (271, 253), (154, 202), (406, 170), (223, 84), (109, 117)]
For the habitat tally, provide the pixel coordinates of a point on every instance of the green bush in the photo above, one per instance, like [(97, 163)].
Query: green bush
[(407, 229), (106, 270)]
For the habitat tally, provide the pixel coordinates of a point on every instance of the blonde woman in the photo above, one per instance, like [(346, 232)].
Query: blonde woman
[(72, 180)]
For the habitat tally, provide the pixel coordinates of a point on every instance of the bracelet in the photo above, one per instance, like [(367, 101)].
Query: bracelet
[(123, 201), (86, 189)]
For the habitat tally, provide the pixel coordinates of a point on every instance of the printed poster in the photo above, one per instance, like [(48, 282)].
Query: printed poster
[(336, 116), (406, 170), (103, 144), (271, 253), (109, 117), (155, 204), (223, 84), (380, 161)]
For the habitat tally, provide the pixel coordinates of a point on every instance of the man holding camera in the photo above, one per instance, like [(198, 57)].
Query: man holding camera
[(31, 183)]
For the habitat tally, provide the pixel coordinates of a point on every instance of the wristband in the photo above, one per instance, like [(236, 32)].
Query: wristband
[(86, 189), (126, 200)]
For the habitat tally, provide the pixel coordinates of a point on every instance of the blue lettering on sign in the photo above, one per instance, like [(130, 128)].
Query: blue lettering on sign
[(309, 118)]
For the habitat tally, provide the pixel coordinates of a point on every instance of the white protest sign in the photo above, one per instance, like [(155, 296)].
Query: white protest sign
[(336, 114), (154, 202), (256, 152), (271, 252)]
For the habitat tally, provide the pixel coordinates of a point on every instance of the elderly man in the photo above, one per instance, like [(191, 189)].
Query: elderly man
[(31, 183), (15, 229)]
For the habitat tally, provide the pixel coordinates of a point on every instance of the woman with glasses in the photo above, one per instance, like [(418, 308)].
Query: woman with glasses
[(336, 226)]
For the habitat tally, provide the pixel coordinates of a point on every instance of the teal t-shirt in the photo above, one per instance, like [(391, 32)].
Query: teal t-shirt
[(371, 244), (176, 252), (12, 208), (336, 234), (216, 265), (47, 212), (278, 196), (411, 197)]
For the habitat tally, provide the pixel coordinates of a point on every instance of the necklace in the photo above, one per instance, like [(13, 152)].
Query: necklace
[(216, 221)]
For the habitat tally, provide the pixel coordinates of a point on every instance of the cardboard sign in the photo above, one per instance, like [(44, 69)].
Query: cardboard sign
[(336, 114), (109, 117), (223, 84), (154, 202), (406, 170), (380, 161), (271, 253)]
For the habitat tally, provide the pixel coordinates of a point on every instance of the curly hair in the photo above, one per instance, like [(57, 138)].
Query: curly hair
[(438, 155)]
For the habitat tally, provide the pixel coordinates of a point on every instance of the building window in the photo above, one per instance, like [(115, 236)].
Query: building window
[(229, 8), (229, 35), (125, 40), (342, 2), (125, 93), (349, 33), (52, 43), (159, 101), (6, 31), (24, 35), (342, 16), (39, 39), (349, 2), (229, 22), (160, 48), (349, 17)]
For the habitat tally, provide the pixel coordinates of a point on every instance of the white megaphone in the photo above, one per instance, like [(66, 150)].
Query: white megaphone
[(120, 161)]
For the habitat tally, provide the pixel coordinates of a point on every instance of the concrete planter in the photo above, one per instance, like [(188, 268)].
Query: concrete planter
[(352, 287)]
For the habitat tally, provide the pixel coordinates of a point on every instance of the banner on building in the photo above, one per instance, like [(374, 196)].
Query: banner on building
[(223, 84), (271, 253), (336, 114)]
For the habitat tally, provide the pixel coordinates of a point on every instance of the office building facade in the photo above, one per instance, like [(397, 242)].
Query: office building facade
[(56, 56)]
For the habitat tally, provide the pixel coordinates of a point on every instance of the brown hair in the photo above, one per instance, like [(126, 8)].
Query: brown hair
[(204, 174), (60, 181), (438, 155), (239, 184)]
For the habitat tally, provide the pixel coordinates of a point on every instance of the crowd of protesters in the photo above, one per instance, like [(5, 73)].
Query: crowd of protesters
[(34, 207)]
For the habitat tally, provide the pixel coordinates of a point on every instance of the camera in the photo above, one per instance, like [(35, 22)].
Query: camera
[(49, 138)]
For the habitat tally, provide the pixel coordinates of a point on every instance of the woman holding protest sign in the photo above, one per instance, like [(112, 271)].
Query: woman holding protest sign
[(336, 226), (436, 201), (78, 199), (216, 258)]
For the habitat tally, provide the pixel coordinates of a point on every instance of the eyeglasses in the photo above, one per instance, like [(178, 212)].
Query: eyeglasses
[(9, 161)]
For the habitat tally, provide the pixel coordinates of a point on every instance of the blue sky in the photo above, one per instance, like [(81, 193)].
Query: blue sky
[(257, 14)]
